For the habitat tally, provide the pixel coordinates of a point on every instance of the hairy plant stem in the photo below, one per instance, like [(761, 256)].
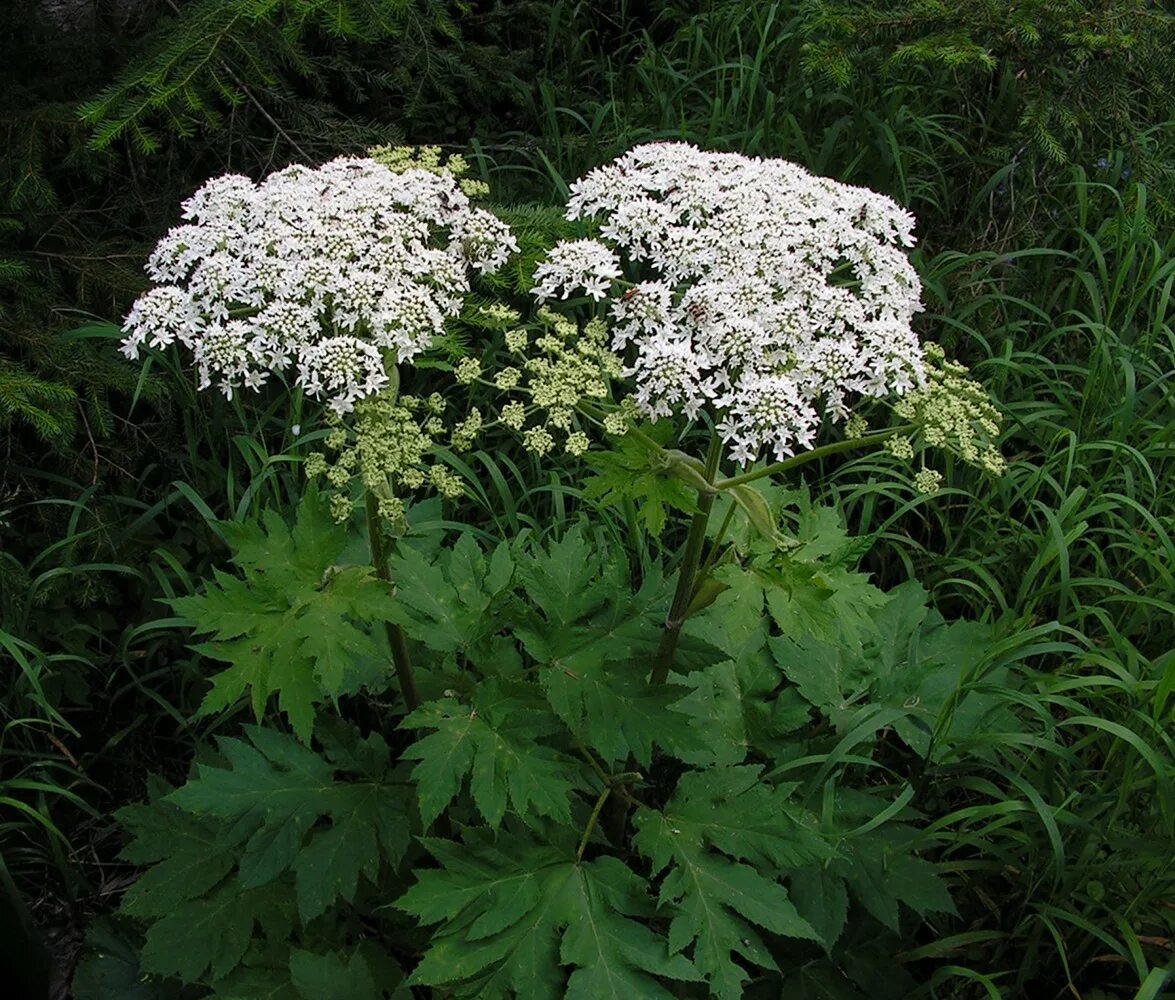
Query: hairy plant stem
[(687, 575), (849, 444), (395, 634)]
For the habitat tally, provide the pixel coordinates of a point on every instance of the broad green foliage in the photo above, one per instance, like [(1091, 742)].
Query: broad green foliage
[(569, 608), (915, 662), (257, 848), (591, 637), (724, 835), (628, 473), (594, 834), (294, 625), (512, 911), (810, 588), (495, 742), (446, 604)]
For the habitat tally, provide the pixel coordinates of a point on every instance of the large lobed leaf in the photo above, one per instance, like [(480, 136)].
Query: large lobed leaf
[(594, 640), (494, 742), (723, 838), (294, 626), (449, 604), (915, 663), (269, 837), (514, 914), (632, 472)]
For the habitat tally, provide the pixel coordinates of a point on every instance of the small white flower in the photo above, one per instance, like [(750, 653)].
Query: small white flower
[(586, 264), (344, 369)]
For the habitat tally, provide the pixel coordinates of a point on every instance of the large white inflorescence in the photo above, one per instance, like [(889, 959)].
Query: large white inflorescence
[(327, 270), (768, 295)]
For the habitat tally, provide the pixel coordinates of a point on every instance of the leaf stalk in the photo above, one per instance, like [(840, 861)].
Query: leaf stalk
[(395, 634)]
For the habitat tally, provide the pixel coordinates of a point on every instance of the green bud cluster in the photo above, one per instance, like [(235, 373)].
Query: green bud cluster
[(952, 412), (927, 480), (430, 159), (856, 427), (386, 444), (900, 447), (556, 370)]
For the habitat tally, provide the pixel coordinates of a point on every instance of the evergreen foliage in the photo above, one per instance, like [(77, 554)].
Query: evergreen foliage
[(215, 58), (1089, 78)]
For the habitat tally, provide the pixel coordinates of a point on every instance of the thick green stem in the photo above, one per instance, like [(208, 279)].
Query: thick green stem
[(851, 444), (591, 823), (687, 575), (716, 545), (395, 634)]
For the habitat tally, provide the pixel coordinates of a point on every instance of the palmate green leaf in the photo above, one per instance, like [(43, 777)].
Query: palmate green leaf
[(513, 913), (830, 677), (881, 872), (723, 839), (828, 603), (734, 621), (628, 472), (809, 588), (734, 706), (269, 779), (286, 555), (444, 604), (616, 711), (926, 663), (493, 743), (878, 868), (295, 626), (820, 897), (188, 856), (716, 711), (594, 641), (330, 864), (834, 677), (737, 703), (109, 968), (210, 935), (362, 972), (915, 662), (571, 578), (275, 793)]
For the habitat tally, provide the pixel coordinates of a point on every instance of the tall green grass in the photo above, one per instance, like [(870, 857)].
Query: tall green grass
[(1059, 828)]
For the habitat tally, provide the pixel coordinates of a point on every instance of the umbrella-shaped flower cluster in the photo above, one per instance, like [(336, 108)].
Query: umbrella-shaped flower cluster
[(335, 272), (764, 293)]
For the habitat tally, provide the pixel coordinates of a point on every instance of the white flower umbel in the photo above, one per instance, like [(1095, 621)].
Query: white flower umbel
[(586, 264), (769, 295), (335, 271)]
